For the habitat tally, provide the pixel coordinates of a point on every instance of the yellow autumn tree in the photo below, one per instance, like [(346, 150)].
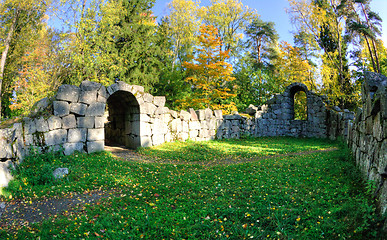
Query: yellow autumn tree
[(210, 74)]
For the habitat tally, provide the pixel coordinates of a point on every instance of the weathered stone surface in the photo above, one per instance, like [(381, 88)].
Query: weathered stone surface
[(88, 97), (41, 125), (40, 105), (69, 121), (159, 101), (185, 116), (54, 122), (61, 108), (29, 126), (68, 93), (96, 134), (194, 125), (78, 108), (146, 141), (95, 146), (5, 149), (148, 108), (158, 139), (86, 122), (99, 122), (60, 173), (76, 135), (89, 86), (96, 109), (148, 98), (194, 116), (161, 110), (218, 114), (102, 95), (5, 174), (70, 148), (55, 137)]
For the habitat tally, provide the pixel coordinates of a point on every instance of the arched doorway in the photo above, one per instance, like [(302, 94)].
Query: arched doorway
[(299, 102), (123, 121)]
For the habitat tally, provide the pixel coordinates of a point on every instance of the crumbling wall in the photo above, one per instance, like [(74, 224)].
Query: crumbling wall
[(367, 135)]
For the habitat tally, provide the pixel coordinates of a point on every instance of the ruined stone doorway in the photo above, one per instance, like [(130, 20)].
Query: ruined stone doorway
[(122, 126)]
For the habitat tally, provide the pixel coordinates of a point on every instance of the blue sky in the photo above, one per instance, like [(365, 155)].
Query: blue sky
[(274, 11)]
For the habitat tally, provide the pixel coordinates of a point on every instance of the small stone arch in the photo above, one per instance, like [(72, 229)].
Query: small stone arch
[(291, 91), (123, 112)]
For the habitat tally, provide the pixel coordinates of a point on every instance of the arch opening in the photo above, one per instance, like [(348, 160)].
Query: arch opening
[(300, 106), (123, 120)]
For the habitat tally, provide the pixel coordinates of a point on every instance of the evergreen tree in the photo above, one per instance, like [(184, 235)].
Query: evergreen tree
[(136, 44)]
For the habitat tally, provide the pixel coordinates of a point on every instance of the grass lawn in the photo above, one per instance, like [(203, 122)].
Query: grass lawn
[(310, 196)]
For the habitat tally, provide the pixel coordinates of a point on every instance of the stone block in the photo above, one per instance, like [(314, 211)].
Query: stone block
[(76, 135), (148, 98), (68, 93), (70, 148), (60, 173), (5, 149), (55, 137), (54, 122), (159, 101), (5, 174), (28, 140), (95, 146), (78, 108), (40, 105), (137, 88), (146, 141), (97, 134), (89, 86), (193, 134), (174, 114), (158, 139), (185, 126), (183, 136), (194, 125), (96, 109), (99, 122), (41, 125), (218, 114), (194, 116), (176, 125), (201, 114), (148, 108), (69, 122), (29, 126), (161, 110), (61, 108), (185, 116), (88, 97), (102, 94), (85, 122)]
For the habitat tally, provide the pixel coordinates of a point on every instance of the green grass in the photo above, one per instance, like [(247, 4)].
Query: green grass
[(312, 196), (234, 149)]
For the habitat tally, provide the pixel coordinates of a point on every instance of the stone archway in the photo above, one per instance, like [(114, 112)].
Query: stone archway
[(292, 90), (122, 126)]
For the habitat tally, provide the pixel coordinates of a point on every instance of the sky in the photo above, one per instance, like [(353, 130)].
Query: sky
[(275, 11)]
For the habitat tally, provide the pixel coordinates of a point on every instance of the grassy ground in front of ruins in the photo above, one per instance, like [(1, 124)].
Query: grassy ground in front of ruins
[(298, 192)]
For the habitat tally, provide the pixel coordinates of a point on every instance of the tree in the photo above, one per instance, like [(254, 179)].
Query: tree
[(325, 21), (210, 74), (38, 74), (138, 61), (231, 18), (184, 22), (19, 20), (365, 25), (261, 41)]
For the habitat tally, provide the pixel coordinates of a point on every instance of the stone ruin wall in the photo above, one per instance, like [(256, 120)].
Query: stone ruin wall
[(367, 136), (83, 118)]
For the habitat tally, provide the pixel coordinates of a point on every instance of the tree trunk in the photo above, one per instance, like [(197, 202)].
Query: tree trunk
[(4, 55)]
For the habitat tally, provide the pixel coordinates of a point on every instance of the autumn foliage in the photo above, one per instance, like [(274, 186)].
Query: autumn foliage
[(210, 74)]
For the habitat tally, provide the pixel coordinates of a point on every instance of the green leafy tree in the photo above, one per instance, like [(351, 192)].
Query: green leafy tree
[(210, 74), (19, 20)]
